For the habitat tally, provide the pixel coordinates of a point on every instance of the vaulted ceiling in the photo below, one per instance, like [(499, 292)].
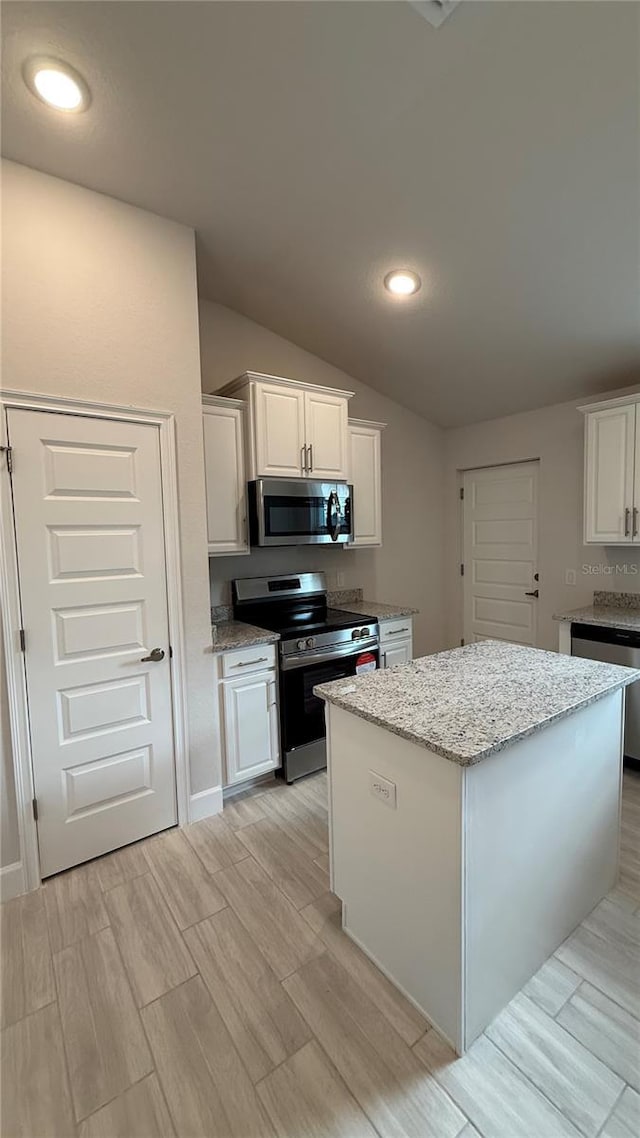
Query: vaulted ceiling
[(314, 146)]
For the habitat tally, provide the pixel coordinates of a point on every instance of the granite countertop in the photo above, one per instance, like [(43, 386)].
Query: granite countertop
[(380, 612), (228, 634), (469, 703), (609, 616)]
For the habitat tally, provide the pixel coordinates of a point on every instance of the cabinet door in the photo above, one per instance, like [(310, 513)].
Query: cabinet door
[(225, 480), (366, 475), (326, 435), (609, 471), (279, 431), (251, 726), (395, 654)]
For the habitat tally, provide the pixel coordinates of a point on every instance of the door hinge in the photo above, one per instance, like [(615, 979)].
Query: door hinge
[(462, 642), (34, 804), (170, 652), (9, 453), (23, 640), (462, 570), (462, 493)]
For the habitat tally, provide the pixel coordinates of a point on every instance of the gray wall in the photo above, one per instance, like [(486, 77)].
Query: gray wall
[(100, 303), (408, 568), (555, 436)]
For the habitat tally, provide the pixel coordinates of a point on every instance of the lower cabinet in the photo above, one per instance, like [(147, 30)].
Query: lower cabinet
[(396, 642), (249, 718)]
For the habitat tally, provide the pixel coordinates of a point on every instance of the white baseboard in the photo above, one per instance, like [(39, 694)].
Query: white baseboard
[(12, 882), (205, 803)]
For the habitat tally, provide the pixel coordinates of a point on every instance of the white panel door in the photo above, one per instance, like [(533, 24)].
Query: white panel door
[(326, 435), (225, 479), (366, 475), (251, 726), (609, 475), (279, 430), (500, 553), (88, 507)]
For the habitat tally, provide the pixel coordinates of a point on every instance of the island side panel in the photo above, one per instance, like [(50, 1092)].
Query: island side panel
[(398, 870), (542, 825)]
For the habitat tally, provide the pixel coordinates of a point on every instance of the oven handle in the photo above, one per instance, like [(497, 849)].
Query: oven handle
[(323, 655)]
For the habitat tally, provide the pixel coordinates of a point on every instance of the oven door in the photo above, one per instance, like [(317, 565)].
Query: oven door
[(300, 512), (301, 712)]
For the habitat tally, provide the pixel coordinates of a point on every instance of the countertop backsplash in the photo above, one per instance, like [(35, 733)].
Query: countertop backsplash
[(603, 599)]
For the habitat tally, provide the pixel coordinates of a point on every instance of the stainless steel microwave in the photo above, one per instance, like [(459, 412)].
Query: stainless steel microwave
[(300, 512)]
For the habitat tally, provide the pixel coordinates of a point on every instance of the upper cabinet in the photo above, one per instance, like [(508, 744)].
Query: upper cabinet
[(325, 417), (225, 477), (365, 472), (296, 430), (612, 472), (279, 430)]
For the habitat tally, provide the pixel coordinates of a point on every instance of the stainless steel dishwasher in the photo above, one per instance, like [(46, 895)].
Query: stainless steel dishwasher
[(614, 646)]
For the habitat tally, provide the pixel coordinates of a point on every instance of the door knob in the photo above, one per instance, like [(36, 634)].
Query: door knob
[(535, 593), (154, 657)]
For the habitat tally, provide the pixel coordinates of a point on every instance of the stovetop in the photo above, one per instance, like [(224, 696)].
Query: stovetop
[(306, 624)]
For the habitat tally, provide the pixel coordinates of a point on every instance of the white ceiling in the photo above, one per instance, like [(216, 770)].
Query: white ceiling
[(314, 146)]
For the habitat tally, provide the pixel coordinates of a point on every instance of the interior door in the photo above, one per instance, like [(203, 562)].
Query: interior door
[(326, 431), (89, 527), (500, 553)]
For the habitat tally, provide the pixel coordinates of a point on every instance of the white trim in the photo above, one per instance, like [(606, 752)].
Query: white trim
[(279, 380), (621, 401), (205, 803), (371, 423), (223, 401), (9, 600), (12, 882)]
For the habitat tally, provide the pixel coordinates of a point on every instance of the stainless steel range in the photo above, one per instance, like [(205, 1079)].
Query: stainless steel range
[(317, 644)]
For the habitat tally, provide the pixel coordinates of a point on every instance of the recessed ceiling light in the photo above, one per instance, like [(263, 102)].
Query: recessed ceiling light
[(402, 282), (57, 84)]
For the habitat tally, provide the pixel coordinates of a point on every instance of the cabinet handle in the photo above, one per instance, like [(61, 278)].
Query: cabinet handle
[(303, 459), (310, 458), (247, 663), (635, 522), (626, 521), (535, 593), (396, 631)]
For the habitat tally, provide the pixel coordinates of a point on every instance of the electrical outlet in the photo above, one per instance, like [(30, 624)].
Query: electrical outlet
[(340, 579), (383, 789), (569, 576)]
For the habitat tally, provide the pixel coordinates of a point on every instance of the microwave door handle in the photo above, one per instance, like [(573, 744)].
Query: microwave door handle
[(334, 529)]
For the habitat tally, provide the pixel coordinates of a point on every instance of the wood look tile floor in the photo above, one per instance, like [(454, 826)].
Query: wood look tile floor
[(199, 985)]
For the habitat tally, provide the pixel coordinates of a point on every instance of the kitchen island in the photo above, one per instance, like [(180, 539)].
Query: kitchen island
[(474, 801)]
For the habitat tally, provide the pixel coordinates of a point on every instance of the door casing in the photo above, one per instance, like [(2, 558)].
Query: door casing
[(29, 878)]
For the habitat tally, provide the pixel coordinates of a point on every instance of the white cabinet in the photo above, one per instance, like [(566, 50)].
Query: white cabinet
[(396, 642), (296, 430), (365, 472), (279, 430), (251, 726), (395, 654), (248, 711), (225, 476), (325, 416), (612, 473)]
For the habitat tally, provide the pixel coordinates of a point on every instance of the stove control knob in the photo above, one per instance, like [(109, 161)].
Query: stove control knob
[(311, 642), (365, 632), (355, 635), (301, 645)]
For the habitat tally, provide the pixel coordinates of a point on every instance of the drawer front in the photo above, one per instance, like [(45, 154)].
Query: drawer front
[(393, 630), (256, 658)]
